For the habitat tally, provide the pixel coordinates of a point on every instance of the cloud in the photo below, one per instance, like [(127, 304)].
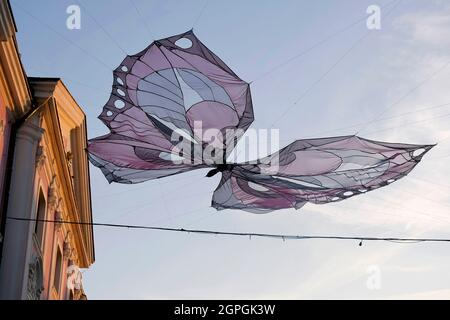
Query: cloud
[(425, 28), (443, 294), (414, 53), (415, 47)]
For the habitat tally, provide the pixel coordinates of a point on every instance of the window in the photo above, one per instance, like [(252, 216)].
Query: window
[(40, 215), (58, 270)]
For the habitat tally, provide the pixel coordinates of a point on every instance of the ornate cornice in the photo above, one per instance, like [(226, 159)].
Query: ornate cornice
[(7, 26), (13, 83)]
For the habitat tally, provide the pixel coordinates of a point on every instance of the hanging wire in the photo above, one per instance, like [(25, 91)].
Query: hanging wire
[(94, 57), (201, 219), (200, 14), (118, 45), (97, 89), (431, 182), (408, 93), (61, 35), (441, 219), (416, 195), (402, 125), (144, 186), (104, 30), (316, 45), (237, 234), (441, 157), (320, 79), (137, 208), (144, 22), (376, 211), (410, 123), (165, 219), (443, 105), (330, 69), (151, 202)]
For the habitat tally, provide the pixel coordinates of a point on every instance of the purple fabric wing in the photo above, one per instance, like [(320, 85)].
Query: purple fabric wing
[(317, 171), (161, 95), (173, 95)]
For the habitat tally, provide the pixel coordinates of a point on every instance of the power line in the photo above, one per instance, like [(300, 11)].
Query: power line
[(238, 234), (103, 29)]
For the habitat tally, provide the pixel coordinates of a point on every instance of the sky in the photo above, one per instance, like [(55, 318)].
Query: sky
[(316, 70)]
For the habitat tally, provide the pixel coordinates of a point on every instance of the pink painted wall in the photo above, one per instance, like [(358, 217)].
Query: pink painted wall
[(53, 237), (52, 240)]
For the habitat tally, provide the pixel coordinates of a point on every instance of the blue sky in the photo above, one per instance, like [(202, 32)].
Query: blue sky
[(399, 71)]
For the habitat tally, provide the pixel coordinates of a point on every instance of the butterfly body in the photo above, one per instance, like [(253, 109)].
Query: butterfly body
[(220, 168)]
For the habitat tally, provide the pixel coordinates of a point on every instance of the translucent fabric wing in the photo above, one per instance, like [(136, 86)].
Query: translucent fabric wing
[(317, 171), (163, 92), (167, 99)]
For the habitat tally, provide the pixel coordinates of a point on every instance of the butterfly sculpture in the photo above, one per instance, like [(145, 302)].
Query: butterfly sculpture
[(167, 89)]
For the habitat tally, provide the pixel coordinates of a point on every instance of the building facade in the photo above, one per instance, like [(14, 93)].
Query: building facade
[(45, 203)]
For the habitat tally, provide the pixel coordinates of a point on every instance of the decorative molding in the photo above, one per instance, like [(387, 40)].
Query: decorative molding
[(40, 157), (67, 247), (7, 27), (58, 217), (69, 158), (13, 85), (52, 197), (35, 284), (67, 250), (74, 256)]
